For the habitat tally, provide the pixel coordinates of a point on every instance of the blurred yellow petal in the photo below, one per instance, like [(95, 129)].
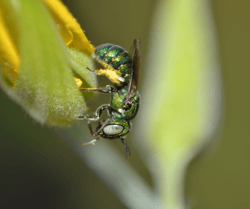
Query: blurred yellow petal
[(70, 30), (9, 59), (78, 82)]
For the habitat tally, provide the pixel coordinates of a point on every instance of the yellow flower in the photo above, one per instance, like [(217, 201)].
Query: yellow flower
[(70, 30), (44, 56)]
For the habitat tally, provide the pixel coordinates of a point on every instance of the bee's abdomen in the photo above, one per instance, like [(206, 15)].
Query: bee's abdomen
[(115, 56)]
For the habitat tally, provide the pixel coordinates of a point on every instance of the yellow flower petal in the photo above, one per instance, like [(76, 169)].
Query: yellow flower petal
[(70, 30), (78, 82), (9, 60)]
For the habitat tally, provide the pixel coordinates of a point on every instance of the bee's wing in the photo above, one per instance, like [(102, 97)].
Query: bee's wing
[(136, 63), (136, 57)]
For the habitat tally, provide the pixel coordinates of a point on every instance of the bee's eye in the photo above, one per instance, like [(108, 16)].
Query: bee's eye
[(113, 129)]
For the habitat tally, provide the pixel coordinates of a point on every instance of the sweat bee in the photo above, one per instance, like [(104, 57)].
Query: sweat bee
[(123, 70)]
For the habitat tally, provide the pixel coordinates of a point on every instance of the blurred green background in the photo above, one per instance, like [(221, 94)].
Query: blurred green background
[(38, 169)]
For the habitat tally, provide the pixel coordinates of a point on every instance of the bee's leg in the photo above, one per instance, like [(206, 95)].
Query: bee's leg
[(91, 142), (94, 134), (97, 130), (90, 128), (90, 70), (126, 149), (101, 90), (108, 89), (98, 113)]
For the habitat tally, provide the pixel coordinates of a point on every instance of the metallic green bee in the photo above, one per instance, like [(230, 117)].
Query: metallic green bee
[(123, 71)]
